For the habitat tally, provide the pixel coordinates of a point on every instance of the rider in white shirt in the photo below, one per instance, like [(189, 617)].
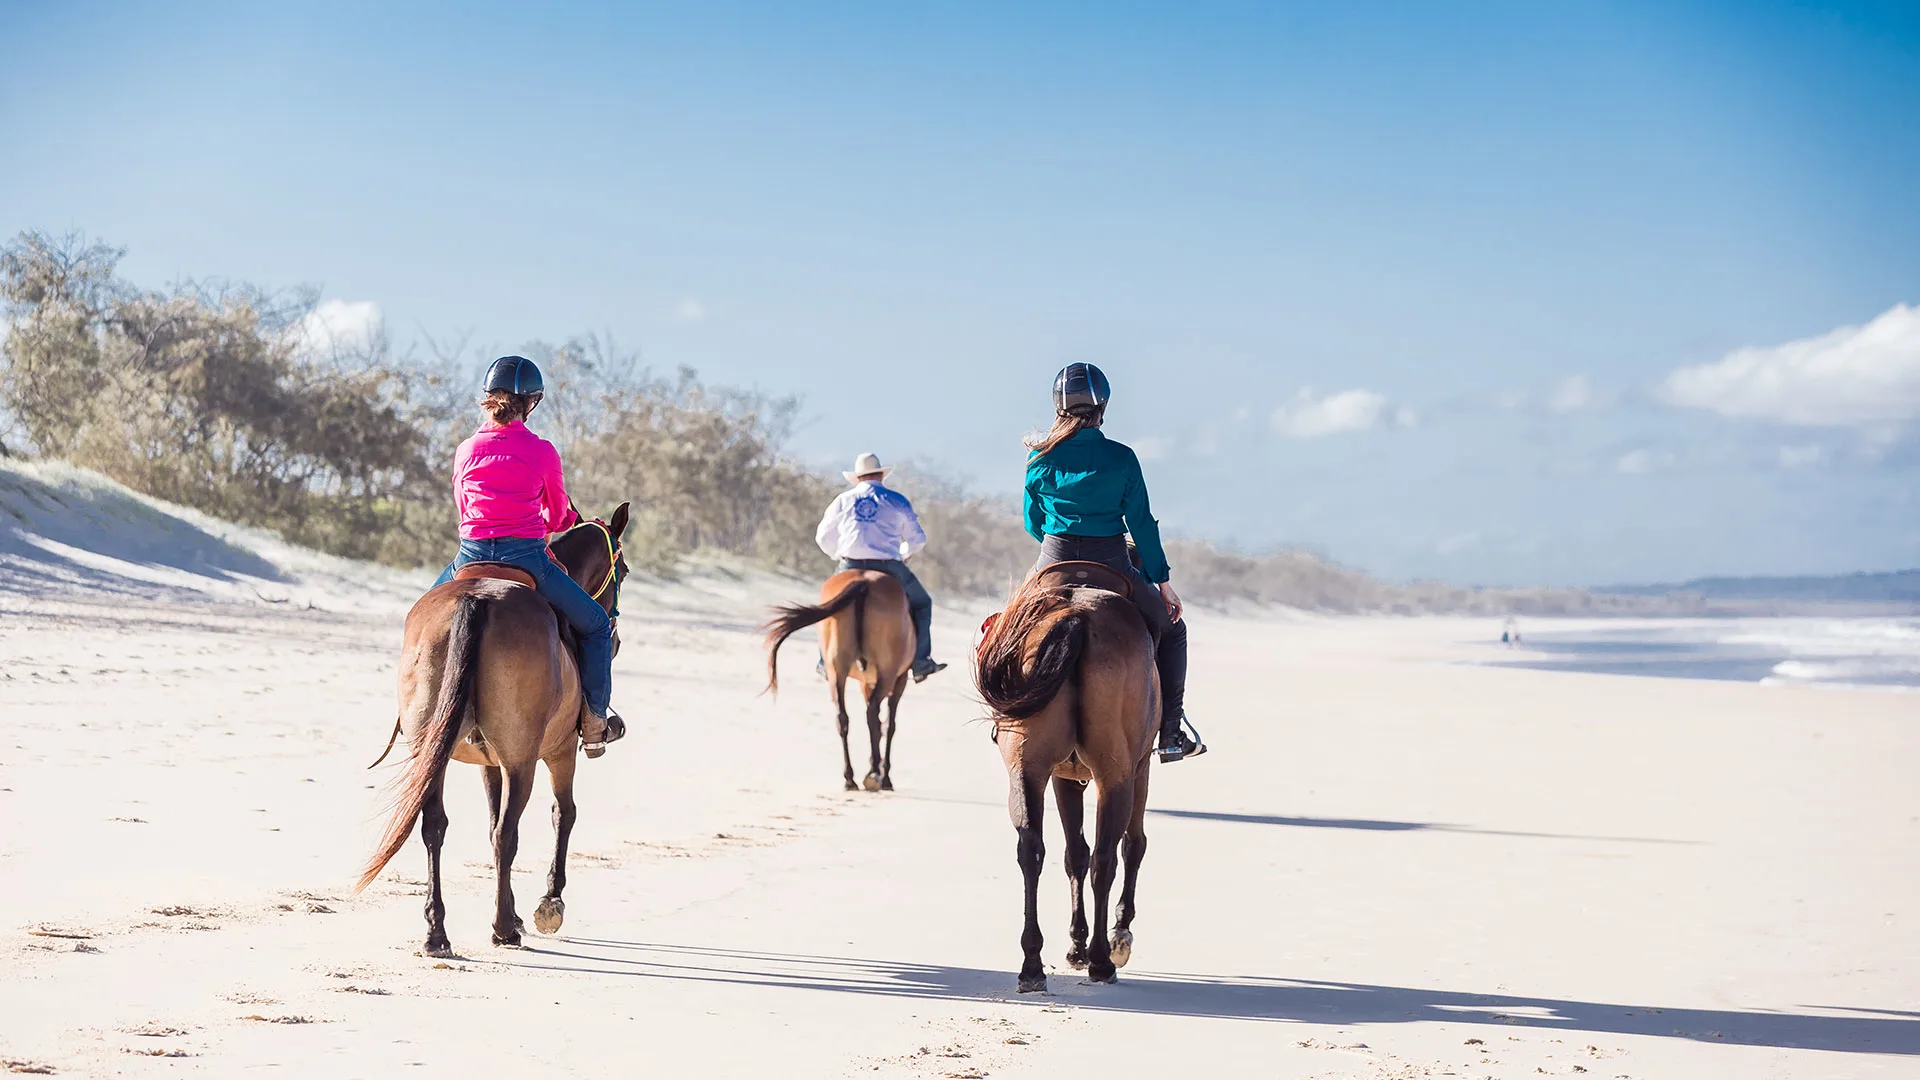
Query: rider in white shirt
[(872, 527)]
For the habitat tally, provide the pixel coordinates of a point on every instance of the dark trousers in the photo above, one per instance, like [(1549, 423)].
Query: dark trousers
[(1169, 637), (919, 602)]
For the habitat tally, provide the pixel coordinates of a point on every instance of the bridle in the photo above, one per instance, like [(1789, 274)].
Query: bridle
[(613, 557)]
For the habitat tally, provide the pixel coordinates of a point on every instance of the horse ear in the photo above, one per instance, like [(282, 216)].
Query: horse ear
[(619, 523)]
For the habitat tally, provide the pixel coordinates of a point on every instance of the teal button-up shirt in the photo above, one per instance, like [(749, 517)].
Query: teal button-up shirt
[(1090, 485)]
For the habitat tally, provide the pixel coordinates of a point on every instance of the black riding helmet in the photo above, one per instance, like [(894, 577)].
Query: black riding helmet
[(515, 375), (1080, 389)]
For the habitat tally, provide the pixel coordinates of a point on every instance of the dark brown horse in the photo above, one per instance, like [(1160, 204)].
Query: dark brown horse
[(866, 633), (486, 678), (1070, 677)]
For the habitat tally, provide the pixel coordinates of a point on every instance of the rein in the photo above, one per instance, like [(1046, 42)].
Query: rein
[(613, 557)]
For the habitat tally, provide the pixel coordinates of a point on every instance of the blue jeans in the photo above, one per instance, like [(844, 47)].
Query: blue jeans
[(589, 620), (919, 603)]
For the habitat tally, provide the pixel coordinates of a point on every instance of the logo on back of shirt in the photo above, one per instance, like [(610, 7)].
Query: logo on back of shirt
[(866, 508)]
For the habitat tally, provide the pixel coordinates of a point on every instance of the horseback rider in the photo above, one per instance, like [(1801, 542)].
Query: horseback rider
[(870, 526), (510, 493), (1084, 497)]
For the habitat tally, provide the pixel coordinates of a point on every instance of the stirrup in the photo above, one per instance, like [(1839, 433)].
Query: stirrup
[(616, 730), (1184, 746)]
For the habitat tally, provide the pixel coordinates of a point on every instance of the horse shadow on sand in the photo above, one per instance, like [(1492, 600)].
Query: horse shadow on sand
[(1242, 997)]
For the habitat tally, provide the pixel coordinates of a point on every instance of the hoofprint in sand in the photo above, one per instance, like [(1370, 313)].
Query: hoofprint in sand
[(1394, 864)]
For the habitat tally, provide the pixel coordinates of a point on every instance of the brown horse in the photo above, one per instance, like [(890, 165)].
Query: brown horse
[(1070, 677), (867, 633), (487, 678)]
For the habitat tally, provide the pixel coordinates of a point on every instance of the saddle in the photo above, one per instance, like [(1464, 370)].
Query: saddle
[(499, 571), (1072, 574), (1079, 574)]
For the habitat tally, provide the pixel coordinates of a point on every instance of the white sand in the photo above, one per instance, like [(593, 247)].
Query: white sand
[(1390, 855), (1387, 855)]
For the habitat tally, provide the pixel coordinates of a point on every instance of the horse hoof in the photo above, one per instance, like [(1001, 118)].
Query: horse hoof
[(872, 782), (1033, 984), (440, 950), (851, 786), (1077, 958), (886, 783), (510, 939), (548, 916), (1121, 947), (1103, 974)]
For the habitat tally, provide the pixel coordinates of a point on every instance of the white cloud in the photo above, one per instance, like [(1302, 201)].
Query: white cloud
[(1151, 448), (1855, 375), (1575, 394), (338, 327), (690, 309), (1405, 417), (1641, 462), (1311, 417)]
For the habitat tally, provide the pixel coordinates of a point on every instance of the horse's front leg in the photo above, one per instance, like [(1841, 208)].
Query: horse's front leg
[(506, 844), (553, 910)]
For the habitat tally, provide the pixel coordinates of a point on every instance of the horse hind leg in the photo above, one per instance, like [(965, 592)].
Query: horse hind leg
[(1070, 797), (874, 696), (1133, 848), (433, 833), (1114, 811), (840, 704), (553, 910), (1026, 805), (506, 844), (893, 719)]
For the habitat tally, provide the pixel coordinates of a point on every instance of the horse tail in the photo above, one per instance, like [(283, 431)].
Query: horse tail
[(788, 618), (433, 748), (1011, 687)]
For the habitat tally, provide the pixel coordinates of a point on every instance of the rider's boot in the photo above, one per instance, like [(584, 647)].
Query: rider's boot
[(597, 731), (926, 668), (1176, 744)]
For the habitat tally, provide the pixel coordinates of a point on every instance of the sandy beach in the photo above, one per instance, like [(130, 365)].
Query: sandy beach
[(1396, 863)]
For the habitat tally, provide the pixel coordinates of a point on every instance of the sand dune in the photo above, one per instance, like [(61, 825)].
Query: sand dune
[(1396, 863)]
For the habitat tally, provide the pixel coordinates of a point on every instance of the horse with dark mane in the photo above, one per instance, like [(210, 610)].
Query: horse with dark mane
[(1068, 670), (488, 677), (866, 633)]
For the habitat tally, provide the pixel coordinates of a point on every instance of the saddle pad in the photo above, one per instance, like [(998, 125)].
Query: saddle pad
[(497, 570), (1084, 575)]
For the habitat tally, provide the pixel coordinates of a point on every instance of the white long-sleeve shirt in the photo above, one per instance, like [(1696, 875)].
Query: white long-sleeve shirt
[(869, 521)]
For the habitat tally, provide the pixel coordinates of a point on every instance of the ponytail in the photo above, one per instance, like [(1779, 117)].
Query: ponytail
[(1065, 426)]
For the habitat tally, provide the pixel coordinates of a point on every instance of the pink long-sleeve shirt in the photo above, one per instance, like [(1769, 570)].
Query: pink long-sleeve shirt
[(507, 483)]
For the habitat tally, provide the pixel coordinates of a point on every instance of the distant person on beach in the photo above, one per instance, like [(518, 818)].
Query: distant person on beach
[(870, 526), (508, 487), (1085, 496)]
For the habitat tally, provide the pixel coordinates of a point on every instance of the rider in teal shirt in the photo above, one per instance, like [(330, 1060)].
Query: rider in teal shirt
[(1084, 498), (1089, 485)]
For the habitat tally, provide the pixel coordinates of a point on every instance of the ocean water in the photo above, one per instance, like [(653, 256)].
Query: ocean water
[(1873, 652)]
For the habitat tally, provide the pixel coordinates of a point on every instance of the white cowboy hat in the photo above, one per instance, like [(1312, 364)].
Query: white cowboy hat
[(866, 465)]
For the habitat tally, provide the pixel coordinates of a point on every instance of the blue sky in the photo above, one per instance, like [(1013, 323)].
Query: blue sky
[(1407, 284)]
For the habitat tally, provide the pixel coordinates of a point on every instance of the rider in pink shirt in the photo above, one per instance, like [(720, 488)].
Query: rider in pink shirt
[(507, 482), (511, 496)]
